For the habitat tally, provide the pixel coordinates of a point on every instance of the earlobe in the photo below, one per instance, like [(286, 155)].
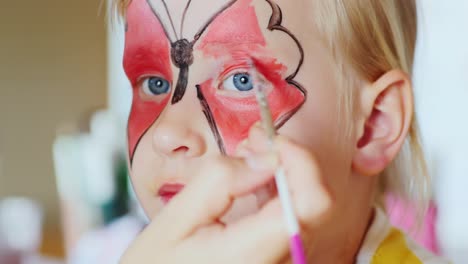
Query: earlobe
[(386, 113)]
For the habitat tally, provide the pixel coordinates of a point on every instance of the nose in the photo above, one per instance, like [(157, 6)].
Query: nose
[(178, 130)]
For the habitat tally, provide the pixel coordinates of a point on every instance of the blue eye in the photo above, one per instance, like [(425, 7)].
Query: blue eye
[(156, 86), (239, 81)]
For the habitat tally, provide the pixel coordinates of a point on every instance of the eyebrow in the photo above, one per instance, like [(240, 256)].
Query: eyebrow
[(223, 47), (142, 59)]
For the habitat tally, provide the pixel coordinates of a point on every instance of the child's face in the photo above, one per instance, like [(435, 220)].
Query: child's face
[(192, 89)]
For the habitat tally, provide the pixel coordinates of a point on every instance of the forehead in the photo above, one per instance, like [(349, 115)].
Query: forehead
[(222, 27), (239, 24), (220, 21), (219, 27)]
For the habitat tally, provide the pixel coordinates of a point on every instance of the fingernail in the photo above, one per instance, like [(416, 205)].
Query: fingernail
[(280, 140), (257, 128), (258, 124), (242, 148)]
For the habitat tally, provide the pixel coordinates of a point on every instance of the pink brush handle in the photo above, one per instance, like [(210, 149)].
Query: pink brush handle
[(297, 250)]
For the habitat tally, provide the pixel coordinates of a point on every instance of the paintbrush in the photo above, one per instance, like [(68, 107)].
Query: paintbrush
[(295, 242)]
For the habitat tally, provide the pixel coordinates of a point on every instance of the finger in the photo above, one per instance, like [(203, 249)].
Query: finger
[(254, 143), (263, 235), (216, 183), (258, 142), (266, 193), (310, 196), (242, 149)]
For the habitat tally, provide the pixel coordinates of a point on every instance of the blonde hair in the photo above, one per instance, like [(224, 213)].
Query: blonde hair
[(368, 38), (120, 6)]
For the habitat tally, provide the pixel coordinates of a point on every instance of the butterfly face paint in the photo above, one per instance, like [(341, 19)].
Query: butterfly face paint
[(146, 54), (228, 33)]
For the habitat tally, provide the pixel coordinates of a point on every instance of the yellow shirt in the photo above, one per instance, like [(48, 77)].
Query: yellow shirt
[(384, 244)]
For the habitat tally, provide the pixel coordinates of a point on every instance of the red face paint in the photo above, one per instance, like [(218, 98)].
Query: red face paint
[(235, 115), (146, 53), (236, 25), (236, 34)]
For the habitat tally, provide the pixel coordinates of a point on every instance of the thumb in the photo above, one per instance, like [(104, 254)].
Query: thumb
[(216, 184)]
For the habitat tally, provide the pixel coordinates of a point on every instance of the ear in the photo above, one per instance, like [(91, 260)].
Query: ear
[(386, 111)]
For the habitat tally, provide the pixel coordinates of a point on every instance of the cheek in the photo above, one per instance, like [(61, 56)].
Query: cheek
[(143, 175), (142, 115), (321, 128), (234, 116)]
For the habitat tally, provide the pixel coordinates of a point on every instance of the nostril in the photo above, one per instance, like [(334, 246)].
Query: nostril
[(181, 149)]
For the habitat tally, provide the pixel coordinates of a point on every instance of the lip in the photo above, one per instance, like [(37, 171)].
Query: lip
[(169, 190)]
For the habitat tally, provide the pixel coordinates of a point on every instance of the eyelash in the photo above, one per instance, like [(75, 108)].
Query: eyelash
[(141, 81), (224, 76), (230, 72)]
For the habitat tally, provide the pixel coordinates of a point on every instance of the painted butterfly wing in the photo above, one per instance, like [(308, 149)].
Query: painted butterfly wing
[(147, 52), (231, 117), (225, 20)]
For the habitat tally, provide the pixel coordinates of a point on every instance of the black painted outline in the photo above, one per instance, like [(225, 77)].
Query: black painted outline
[(211, 121), (132, 151), (182, 80), (186, 52), (275, 23), (183, 18), (170, 19)]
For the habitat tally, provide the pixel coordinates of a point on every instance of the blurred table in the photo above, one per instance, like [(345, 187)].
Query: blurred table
[(53, 242)]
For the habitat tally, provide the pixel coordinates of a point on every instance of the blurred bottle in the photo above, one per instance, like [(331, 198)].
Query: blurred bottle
[(91, 170), (20, 230)]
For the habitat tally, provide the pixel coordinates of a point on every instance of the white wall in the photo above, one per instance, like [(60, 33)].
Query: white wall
[(441, 79)]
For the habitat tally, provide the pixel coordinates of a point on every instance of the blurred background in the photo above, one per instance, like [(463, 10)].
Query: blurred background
[(64, 191)]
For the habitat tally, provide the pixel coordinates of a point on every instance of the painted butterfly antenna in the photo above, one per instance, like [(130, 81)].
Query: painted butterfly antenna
[(170, 19), (156, 14), (183, 19)]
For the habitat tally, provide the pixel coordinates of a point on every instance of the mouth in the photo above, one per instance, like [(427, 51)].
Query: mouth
[(169, 191)]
